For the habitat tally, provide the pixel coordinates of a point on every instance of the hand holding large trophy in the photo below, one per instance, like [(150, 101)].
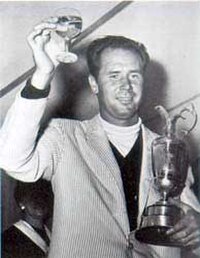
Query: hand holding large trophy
[(170, 165)]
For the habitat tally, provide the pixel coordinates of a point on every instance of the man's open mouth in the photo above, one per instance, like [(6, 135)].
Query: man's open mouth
[(125, 98)]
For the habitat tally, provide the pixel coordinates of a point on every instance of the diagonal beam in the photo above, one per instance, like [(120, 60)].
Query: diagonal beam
[(11, 86), (107, 16)]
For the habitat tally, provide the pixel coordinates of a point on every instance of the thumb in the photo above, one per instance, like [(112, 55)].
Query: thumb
[(183, 206), (68, 58)]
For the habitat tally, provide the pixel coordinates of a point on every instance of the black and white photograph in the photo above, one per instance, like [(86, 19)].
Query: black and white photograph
[(100, 129)]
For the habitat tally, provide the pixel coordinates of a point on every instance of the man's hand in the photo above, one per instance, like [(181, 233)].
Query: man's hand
[(187, 231), (45, 48), (38, 39)]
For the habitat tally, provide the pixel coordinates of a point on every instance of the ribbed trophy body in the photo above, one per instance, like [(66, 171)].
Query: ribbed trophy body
[(170, 164)]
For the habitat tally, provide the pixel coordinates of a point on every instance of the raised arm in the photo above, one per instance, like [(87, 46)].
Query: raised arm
[(18, 153)]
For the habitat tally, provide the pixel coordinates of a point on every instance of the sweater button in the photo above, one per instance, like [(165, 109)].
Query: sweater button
[(130, 245)]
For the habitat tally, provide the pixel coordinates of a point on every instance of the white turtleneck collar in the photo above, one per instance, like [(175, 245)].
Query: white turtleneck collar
[(123, 138)]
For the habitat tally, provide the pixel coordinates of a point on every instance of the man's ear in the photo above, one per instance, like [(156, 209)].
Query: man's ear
[(93, 84), (22, 206)]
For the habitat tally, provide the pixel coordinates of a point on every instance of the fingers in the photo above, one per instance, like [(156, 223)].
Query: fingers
[(46, 25), (192, 239), (41, 33), (187, 240), (46, 48), (187, 231), (189, 223), (67, 58), (183, 206), (52, 20), (38, 38)]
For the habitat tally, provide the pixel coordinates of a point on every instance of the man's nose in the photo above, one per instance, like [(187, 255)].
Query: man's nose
[(126, 82)]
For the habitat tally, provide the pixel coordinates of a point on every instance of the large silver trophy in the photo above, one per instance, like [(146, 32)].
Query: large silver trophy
[(170, 166)]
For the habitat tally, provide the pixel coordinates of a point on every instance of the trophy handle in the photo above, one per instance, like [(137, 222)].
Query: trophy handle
[(170, 124), (191, 110), (165, 116)]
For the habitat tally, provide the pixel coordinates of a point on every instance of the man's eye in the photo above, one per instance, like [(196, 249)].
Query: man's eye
[(134, 76), (114, 76)]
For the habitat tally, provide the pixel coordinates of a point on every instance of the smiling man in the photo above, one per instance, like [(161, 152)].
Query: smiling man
[(99, 167), (118, 78)]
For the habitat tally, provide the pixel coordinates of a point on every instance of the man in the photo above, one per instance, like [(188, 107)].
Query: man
[(99, 168), (29, 237)]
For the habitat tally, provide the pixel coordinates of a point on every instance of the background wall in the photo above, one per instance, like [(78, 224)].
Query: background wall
[(170, 31)]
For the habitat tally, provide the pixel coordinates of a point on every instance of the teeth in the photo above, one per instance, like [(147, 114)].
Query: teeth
[(125, 100), (125, 97)]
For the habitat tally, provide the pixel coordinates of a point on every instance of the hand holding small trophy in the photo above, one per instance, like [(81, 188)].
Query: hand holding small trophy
[(50, 42)]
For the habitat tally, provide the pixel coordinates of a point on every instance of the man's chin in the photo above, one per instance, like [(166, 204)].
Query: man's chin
[(127, 108), (127, 114)]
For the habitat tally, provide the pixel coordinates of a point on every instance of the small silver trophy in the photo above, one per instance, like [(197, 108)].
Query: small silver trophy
[(170, 165)]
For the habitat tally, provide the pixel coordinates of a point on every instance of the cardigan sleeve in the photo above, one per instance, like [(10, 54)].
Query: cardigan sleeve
[(188, 195), (30, 92), (21, 155)]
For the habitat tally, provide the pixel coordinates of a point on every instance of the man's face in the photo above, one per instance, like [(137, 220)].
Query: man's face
[(37, 209), (120, 84)]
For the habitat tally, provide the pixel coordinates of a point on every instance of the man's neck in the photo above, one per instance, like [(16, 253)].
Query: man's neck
[(120, 122), (37, 223), (122, 137)]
